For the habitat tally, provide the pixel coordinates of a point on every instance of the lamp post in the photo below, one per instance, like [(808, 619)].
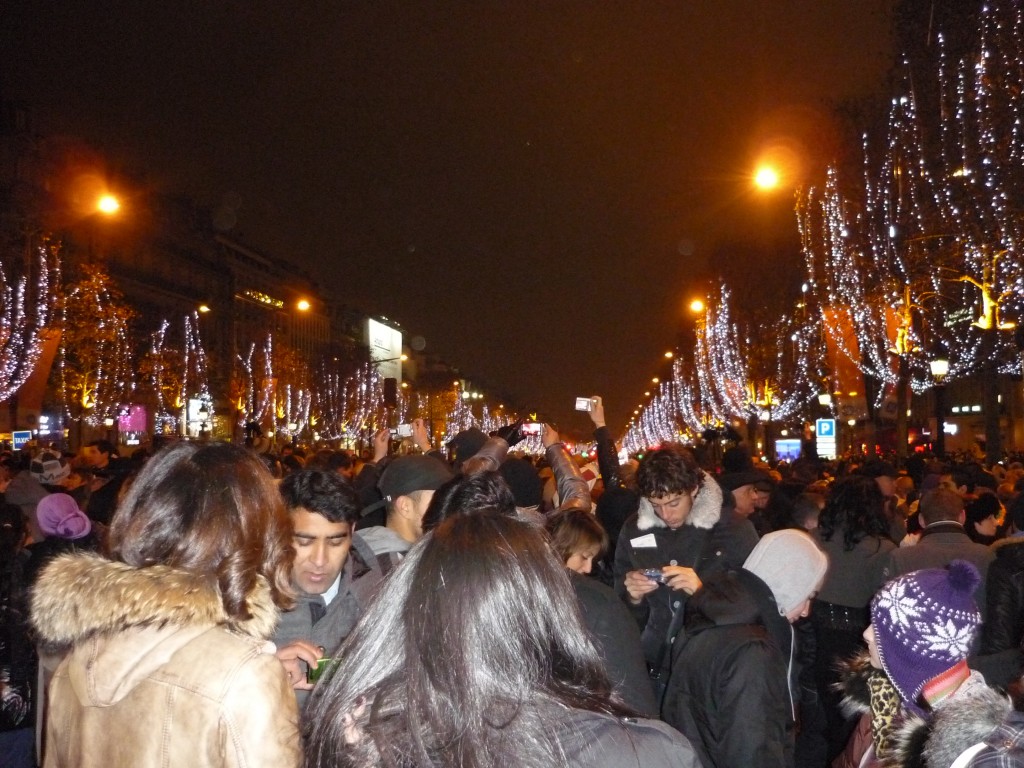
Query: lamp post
[(204, 421), (940, 368)]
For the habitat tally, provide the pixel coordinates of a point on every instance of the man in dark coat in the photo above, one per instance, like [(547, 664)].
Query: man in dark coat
[(943, 540), (681, 535), (733, 688)]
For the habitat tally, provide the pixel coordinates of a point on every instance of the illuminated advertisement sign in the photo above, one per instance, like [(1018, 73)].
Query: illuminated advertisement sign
[(385, 345)]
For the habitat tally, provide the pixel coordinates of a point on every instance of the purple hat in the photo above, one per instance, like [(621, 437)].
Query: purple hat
[(925, 623), (59, 516)]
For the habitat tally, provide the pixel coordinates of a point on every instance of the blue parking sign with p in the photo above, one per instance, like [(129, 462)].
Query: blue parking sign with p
[(825, 427)]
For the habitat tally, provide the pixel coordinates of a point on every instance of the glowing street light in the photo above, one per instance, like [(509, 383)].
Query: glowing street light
[(303, 305), (697, 306), (108, 204), (766, 178)]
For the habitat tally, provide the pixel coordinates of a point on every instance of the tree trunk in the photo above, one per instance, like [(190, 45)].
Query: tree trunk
[(990, 407), (902, 405)]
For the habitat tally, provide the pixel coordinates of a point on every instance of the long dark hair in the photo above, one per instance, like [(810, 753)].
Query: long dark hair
[(466, 657), (210, 508), (856, 508)]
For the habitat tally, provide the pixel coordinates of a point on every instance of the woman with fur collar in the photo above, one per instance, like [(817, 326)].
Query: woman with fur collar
[(682, 531), (919, 702), (166, 654)]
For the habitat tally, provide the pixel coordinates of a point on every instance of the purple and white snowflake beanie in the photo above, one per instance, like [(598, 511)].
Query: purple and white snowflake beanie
[(925, 623)]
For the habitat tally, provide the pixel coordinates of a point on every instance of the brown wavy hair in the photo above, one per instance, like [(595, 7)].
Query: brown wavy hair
[(211, 509), (573, 530)]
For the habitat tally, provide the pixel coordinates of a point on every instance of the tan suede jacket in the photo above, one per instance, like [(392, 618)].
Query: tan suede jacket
[(155, 674)]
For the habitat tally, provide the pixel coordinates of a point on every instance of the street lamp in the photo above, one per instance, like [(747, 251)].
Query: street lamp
[(108, 204), (766, 177), (940, 369), (204, 421)]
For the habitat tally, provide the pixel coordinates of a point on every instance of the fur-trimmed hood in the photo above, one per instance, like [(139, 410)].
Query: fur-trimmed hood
[(962, 721), (854, 673), (971, 714), (706, 510), (78, 596)]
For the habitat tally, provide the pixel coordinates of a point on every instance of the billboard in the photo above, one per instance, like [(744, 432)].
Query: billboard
[(385, 345), (787, 450)]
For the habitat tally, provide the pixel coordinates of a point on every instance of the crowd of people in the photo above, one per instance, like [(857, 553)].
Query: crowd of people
[(216, 604)]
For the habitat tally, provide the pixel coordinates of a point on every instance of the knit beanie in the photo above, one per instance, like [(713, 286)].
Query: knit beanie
[(925, 623), (59, 516), (791, 564)]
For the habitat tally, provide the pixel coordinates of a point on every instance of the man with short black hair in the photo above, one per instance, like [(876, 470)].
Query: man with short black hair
[(333, 574), (109, 472), (680, 534)]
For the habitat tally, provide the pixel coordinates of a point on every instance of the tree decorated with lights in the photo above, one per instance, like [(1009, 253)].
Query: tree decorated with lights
[(162, 368), (759, 371), (365, 412), (329, 407), (459, 417), (96, 368), (176, 371), (923, 253), (26, 310), (272, 387), (675, 412)]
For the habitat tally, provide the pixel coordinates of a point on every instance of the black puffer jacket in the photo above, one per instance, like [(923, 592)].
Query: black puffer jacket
[(728, 691), (591, 738), (1004, 596), (618, 642)]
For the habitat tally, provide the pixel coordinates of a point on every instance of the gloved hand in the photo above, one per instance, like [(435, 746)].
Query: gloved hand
[(511, 433)]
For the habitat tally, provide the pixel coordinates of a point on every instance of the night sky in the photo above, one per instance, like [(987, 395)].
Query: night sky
[(537, 189)]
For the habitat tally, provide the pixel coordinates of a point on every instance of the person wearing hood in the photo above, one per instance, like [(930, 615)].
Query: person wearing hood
[(732, 690), (165, 640), (920, 704), (678, 537)]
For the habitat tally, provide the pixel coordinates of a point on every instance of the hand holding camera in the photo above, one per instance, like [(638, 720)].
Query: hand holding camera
[(681, 578), (638, 585), (597, 411), (512, 433), (298, 657), (655, 574)]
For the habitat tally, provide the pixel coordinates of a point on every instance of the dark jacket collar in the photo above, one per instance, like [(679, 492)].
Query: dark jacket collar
[(944, 526)]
